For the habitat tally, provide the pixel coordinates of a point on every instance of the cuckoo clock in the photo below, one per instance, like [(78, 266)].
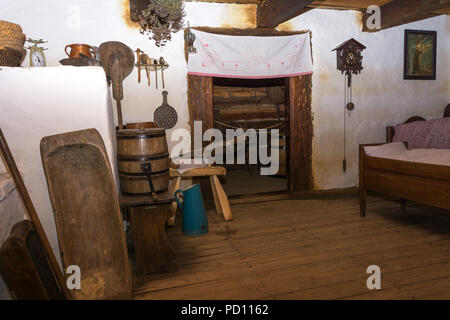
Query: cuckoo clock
[(349, 61), (349, 58)]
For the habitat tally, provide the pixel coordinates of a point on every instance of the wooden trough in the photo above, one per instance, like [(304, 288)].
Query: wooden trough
[(87, 214)]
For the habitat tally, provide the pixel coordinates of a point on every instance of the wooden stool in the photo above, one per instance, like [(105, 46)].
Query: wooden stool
[(148, 217), (220, 198)]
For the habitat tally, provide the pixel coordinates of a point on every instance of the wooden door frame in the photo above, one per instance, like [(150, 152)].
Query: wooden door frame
[(201, 108), (300, 133)]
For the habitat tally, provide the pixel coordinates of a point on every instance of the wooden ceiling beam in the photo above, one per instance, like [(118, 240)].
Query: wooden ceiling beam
[(227, 1), (258, 32), (399, 12), (273, 12)]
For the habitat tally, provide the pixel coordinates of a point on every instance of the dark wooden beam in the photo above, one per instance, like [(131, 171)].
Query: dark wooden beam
[(400, 12), (273, 12), (300, 133), (227, 1), (259, 32)]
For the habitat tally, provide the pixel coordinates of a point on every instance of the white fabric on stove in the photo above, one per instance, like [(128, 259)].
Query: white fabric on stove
[(250, 57)]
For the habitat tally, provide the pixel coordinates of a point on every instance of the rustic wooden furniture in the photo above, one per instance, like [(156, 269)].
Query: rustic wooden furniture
[(10, 164), (421, 182), (447, 111), (220, 198), (87, 213), (25, 268), (148, 217)]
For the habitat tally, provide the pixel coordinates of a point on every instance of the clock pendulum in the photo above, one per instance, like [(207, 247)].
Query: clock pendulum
[(349, 61)]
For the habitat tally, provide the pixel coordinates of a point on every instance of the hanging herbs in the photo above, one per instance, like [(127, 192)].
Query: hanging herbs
[(160, 18)]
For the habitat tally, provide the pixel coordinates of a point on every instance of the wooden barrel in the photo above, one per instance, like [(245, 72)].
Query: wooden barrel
[(143, 161), (141, 125)]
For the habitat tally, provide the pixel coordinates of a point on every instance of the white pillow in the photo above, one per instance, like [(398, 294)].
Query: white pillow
[(385, 150)]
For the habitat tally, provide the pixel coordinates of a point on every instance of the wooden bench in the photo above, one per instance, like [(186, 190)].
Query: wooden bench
[(220, 198)]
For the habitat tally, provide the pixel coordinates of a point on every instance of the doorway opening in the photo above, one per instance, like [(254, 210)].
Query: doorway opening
[(254, 104)]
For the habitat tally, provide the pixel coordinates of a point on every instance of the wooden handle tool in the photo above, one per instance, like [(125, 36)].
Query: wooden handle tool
[(138, 54), (155, 62), (162, 63), (117, 78), (145, 59)]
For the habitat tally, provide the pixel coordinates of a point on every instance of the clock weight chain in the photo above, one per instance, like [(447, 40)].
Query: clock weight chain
[(349, 106)]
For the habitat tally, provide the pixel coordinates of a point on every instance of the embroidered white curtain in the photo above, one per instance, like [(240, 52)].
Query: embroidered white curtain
[(250, 57)]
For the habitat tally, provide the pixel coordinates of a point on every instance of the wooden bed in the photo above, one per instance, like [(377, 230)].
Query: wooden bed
[(421, 182)]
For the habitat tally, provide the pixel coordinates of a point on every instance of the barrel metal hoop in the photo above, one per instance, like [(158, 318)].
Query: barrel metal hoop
[(142, 174), (143, 157), (141, 136)]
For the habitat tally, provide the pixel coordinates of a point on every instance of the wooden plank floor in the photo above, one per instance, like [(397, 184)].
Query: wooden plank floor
[(310, 249)]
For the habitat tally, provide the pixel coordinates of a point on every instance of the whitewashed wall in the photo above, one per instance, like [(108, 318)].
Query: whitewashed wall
[(39, 102), (381, 95)]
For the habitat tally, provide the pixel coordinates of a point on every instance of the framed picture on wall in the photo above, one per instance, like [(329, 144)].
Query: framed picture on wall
[(420, 55)]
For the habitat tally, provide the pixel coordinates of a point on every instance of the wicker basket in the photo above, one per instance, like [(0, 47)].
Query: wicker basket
[(11, 57), (11, 35)]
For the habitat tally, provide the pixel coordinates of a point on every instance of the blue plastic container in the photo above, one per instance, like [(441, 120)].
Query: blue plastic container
[(195, 222)]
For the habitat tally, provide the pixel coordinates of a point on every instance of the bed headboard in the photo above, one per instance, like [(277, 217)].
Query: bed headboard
[(390, 131), (447, 111)]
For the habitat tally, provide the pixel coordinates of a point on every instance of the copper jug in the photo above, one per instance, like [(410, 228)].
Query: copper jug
[(79, 50)]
